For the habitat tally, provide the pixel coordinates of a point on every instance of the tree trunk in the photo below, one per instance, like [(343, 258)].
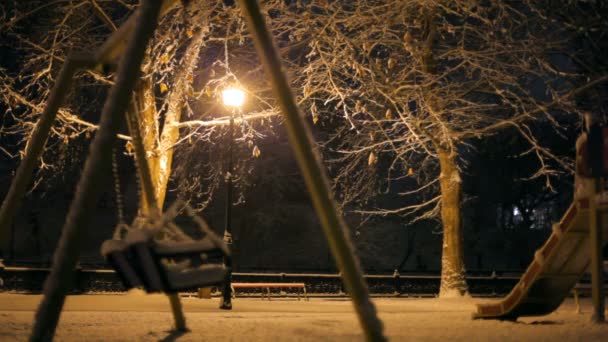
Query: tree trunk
[(149, 133), (159, 146), (453, 283), (170, 135)]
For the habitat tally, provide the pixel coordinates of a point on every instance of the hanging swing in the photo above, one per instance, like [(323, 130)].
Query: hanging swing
[(142, 261)]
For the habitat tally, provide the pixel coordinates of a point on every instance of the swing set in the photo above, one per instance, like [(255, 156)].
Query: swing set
[(175, 263), (139, 259), (142, 261)]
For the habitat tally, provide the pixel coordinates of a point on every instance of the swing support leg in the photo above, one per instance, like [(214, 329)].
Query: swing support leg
[(151, 204), (178, 312), (89, 185), (314, 176), (38, 140)]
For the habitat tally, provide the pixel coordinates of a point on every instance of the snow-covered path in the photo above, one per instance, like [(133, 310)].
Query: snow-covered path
[(137, 317)]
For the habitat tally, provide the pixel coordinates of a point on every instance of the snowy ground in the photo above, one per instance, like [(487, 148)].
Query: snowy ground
[(137, 317)]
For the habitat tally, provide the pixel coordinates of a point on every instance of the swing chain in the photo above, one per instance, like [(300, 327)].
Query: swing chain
[(121, 226)]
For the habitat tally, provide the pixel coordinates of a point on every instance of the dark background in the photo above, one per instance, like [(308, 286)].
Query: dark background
[(276, 228)]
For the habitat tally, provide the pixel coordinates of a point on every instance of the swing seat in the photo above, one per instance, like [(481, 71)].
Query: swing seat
[(142, 262), (117, 254), (191, 248)]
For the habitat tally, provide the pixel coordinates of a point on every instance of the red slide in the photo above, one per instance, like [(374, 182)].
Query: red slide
[(558, 265)]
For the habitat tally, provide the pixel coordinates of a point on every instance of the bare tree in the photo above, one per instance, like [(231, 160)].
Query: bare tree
[(397, 89), (401, 88), (176, 102)]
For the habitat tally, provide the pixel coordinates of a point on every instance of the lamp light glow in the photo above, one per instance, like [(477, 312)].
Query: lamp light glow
[(233, 97)]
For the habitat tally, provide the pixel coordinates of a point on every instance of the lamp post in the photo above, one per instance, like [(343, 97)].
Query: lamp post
[(234, 99)]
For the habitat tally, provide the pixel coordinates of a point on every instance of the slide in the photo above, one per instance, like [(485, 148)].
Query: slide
[(558, 265)]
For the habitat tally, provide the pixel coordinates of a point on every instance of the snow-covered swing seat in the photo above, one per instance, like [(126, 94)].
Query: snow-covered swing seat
[(142, 261)]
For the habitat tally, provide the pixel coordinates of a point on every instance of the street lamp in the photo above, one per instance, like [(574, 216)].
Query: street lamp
[(233, 98)]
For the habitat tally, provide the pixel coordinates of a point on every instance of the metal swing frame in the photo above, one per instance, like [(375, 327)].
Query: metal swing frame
[(138, 29)]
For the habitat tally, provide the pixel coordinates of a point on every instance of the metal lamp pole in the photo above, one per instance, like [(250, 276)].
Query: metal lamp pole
[(226, 303), (234, 98)]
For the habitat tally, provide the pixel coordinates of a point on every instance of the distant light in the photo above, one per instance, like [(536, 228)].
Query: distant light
[(516, 211), (233, 97)]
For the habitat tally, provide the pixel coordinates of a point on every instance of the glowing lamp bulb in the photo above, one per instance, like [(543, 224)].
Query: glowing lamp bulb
[(233, 97)]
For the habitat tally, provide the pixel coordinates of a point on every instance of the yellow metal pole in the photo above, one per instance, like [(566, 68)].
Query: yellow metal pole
[(149, 196), (595, 160), (595, 234), (151, 202), (316, 180)]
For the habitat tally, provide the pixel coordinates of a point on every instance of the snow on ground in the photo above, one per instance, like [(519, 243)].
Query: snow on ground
[(137, 317)]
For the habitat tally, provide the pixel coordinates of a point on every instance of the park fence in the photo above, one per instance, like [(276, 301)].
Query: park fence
[(27, 279)]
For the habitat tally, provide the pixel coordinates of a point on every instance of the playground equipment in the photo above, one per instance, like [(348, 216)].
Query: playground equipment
[(584, 288), (573, 247), (155, 266), (127, 46)]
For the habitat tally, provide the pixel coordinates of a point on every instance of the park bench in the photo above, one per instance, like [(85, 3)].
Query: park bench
[(165, 266), (584, 289), (268, 286)]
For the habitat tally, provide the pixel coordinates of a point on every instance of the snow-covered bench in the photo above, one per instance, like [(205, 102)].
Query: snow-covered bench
[(584, 288), (269, 286)]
